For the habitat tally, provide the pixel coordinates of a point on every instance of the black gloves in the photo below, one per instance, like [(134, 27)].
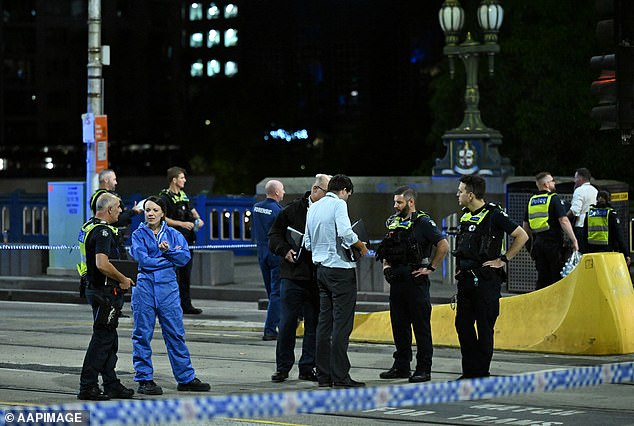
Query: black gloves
[(389, 276)]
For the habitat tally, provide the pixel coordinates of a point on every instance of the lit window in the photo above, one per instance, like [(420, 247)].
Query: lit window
[(231, 11), (213, 12), (213, 38), (231, 37), (231, 68), (196, 40), (197, 69), (213, 68), (195, 11)]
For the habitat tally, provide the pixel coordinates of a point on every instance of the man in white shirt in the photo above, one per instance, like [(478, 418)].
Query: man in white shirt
[(328, 235), (583, 197)]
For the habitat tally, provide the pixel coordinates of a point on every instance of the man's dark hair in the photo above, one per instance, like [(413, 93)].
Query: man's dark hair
[(173, 172), (407, 192), (603, 196), (339, 182), (158, 200), (584, 173), (475, 184)]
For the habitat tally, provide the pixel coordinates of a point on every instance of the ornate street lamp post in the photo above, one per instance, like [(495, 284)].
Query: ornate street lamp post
[(472, 147)]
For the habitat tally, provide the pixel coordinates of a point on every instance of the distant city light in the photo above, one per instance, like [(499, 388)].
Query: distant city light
[(3, 163), (354, 93), (281, 134)]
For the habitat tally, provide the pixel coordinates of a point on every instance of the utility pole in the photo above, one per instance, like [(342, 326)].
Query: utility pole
[(95, 95)]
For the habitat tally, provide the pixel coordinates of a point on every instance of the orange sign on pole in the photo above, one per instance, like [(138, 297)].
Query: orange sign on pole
[(101, 143)]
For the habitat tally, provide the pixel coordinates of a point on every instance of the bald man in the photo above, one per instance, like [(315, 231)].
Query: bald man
[(264, 214)]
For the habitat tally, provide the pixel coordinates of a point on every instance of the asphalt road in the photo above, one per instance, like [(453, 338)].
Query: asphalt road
[(43, 345)]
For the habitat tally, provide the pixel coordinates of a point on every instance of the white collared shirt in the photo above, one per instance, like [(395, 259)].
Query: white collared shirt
[(584, 196)]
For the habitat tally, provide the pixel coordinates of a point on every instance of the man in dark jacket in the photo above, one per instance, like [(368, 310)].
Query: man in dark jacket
[(299, 293)]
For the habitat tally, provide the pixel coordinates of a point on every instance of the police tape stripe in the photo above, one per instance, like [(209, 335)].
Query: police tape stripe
[(200, 409), (76, 247)]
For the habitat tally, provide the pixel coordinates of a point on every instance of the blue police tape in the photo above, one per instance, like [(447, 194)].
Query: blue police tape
[(130, 412), (76, 247)]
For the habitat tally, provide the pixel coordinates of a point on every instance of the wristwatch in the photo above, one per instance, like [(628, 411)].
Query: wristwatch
[(504, 259), (429, 267)]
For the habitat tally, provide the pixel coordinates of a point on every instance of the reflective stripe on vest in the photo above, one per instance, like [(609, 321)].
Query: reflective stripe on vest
[(176, 198), (82, 268), (598, 225), (475, 219), (398, 222), (538, 212)]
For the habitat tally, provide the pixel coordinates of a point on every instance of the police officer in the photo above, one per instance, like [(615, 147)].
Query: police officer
[(108, 184), (99, 244), (545, 219), (182, 216), (405, 252), (479, 272), (601, 229)]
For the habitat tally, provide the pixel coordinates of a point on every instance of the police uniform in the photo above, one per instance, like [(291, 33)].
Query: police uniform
[(406, 247), (179, 208), (543, 213), (602, 232), (480, 239), (98, 237)]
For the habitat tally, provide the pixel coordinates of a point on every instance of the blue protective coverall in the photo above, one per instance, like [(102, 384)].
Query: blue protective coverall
[(156, 293)]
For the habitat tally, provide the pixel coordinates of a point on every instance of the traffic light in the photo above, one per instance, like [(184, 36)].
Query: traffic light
[(615, 85)]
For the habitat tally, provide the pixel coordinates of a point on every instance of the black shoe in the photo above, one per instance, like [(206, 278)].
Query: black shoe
[(419, 377), (348, 383), (92, 394), (192, 311), (269, 337), (394, 373), (279, 377), (194, 386), (311, 376), (148, 387), (118, 391), (324, 384)]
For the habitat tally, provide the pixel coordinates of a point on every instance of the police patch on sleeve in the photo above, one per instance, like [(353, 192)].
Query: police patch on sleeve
[(433, 223), (104, 233)]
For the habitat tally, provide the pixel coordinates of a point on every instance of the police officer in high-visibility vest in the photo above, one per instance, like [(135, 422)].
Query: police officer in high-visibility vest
[(405, 252), (480, 273), (98, 245), (544, 220), (602, 228), (183, 216)]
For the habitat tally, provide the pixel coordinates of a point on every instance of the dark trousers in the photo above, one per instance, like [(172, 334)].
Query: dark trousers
[(548, 261), (297, 298), (101, 355), (410, 308), (477, 310), (184, 275), (337, 300)]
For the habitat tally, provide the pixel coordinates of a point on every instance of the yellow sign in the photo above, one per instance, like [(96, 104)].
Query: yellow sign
[(619, 196)]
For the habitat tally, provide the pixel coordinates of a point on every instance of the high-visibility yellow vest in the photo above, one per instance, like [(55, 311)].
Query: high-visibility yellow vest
[(538, 211), (82, 268), (598, 225)]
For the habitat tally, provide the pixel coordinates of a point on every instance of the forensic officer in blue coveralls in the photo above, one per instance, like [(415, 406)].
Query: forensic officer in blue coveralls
[(264, 214)]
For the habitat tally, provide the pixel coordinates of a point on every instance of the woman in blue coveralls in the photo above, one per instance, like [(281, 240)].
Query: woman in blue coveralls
[(159, 250)]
